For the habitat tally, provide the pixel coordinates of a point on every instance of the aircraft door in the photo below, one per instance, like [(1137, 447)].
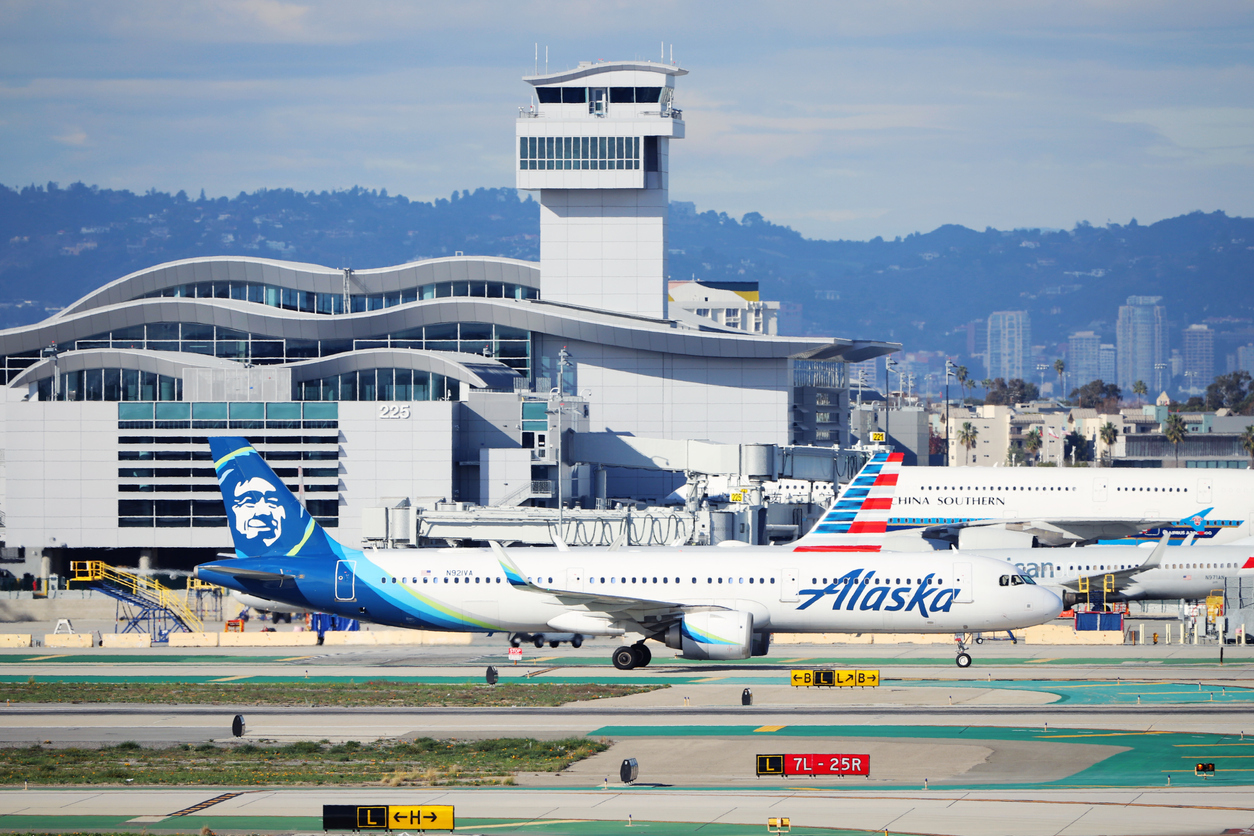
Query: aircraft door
[(1099, 489), (574, 580), (1205, 489), (788, 585), (346, 580), (962, 582)]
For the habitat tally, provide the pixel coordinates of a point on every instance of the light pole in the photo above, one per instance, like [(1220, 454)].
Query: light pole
[(1041, 367), (1191, 385), (949, 372), (889, 365), (1158, 375), (563, 360)]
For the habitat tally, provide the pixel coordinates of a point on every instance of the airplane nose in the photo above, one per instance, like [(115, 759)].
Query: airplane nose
[(1049, 602)]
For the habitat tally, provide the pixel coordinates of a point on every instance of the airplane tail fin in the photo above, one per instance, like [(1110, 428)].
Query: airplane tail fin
[(1196, 521), (265, 518), (858, 519)]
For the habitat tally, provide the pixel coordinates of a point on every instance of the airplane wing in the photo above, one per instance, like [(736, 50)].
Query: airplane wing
[(1122, 576), (648, 614)]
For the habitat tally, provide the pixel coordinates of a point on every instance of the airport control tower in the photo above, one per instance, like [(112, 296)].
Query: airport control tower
[(594, 143)]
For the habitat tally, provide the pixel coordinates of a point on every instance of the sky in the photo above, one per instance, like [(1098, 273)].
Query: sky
[(840, 119)]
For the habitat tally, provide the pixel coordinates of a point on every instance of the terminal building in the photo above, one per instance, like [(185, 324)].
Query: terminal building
[(448, 380)]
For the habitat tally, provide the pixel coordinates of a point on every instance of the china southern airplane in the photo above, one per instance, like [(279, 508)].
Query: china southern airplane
[(708, 603), (988, 507), (1097, 574)]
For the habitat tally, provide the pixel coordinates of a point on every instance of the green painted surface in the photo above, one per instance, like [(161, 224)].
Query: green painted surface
[(1102, 691), (1137, 759), (262, 824)]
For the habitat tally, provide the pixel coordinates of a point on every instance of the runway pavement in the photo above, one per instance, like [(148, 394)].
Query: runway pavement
[(1031, 740)]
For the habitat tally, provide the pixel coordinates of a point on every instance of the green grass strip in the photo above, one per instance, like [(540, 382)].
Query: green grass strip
[(424, 762), (376, 692)]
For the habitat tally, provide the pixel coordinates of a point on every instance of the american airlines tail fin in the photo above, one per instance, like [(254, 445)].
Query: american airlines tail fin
[(265, 518), (858, 519)]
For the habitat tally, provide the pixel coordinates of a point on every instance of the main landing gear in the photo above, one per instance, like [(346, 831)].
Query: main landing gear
[(636, 656), (964, 659)]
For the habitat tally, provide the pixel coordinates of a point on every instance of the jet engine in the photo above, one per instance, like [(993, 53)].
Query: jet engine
[(721, 635)]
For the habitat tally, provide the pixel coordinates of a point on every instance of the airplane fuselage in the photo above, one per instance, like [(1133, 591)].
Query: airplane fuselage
[(930, 496), (1191, 572), (468, 590)]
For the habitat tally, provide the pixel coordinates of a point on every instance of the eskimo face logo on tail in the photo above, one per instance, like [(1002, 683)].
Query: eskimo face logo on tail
[(257, 510)]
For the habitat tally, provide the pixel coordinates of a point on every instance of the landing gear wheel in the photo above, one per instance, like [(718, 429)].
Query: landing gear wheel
[(643, 656), (624, 658), (554, 644), (577, 641), (515, 642), (538, 641), (963, 660), (979, 640)]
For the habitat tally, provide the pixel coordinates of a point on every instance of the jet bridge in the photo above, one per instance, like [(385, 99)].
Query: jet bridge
[(743, 467)]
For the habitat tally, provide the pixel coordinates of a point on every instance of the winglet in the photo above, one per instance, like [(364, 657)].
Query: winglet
[(512, 573), (1156, 556), (1196, 521)]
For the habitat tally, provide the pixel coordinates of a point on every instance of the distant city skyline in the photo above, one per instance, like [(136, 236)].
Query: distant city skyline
[(849, 121)]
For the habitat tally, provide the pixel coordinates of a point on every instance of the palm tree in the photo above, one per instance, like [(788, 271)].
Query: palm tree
[(1108, 434), (967, 437), (986, 384), (1247, 443), (1140, 389), (1174, 431), (1060, 366), (1032, 443), (963, 379)]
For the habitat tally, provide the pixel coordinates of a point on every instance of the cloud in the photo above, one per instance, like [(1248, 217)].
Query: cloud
[(1205, 135), (74, 136)]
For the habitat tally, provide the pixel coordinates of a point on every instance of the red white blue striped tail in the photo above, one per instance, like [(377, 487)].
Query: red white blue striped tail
[(858, 519)]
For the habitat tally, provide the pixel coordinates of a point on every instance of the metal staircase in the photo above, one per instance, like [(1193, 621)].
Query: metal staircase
[(144, 604)]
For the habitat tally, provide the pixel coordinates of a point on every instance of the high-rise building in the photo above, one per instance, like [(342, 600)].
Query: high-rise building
[(1141, 337), (597, 147), (1084, 357), (1199, 357), (1107, 364), (1245, 358), (1009, 343)]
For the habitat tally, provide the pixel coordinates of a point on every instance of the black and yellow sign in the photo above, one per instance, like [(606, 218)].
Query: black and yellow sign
[(770, 765), (387, 817), (835, 679), (879, 437)]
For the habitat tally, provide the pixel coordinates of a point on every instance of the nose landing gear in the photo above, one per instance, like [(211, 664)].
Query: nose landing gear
[(963, 659)]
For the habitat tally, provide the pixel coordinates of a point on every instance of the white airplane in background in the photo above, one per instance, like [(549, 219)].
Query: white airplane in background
[(988, 507), (709, 603), (1114, 573)]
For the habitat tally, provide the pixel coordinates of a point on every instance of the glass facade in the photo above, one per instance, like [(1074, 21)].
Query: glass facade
[(333, 303), (379, 385), (111, 385), (585, 153), (167, 480)]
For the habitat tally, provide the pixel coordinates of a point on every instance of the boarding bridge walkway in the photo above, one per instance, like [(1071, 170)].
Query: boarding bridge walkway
[(146, 605)]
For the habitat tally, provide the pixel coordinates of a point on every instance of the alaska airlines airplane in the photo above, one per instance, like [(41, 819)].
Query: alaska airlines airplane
[(987, 507), (708, 603)]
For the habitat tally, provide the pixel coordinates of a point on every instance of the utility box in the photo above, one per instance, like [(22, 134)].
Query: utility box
[(629, 771)]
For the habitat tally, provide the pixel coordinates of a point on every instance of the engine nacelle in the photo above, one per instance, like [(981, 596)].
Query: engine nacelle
[(994, 537), (761, 644), (720, 635)]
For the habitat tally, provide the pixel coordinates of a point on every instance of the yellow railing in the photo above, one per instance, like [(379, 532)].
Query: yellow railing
[(141, 587)]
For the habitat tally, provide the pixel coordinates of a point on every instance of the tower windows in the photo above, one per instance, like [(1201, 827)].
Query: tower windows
[(586, 153)]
